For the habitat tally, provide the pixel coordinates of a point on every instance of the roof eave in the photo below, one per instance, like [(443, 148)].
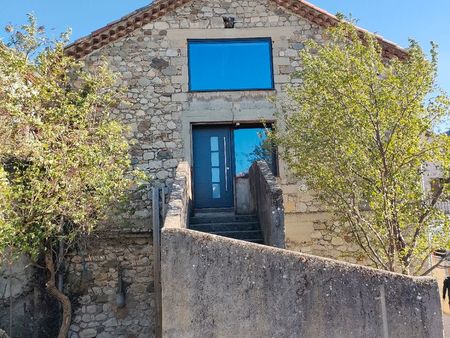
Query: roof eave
[(129, 23)]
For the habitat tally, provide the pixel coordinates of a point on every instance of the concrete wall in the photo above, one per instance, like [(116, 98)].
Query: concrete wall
[(243, 198), (180, 198), (268, 197), (218, 287)]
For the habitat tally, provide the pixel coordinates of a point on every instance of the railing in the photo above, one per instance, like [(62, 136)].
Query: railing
[(268, 198)]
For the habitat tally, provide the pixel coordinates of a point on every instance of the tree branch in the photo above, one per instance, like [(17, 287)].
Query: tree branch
[(437, 264), (60, 297)]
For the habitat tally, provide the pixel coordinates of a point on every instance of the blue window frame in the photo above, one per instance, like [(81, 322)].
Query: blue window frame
[(230, 64)]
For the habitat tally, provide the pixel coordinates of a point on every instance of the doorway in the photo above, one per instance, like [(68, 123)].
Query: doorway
[(213, 186), (222, 156)]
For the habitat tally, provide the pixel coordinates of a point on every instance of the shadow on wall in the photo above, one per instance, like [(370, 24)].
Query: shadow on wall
[(220, 287), (26, 310)]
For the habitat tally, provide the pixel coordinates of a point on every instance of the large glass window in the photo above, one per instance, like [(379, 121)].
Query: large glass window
[(230, 64), (251, 144)]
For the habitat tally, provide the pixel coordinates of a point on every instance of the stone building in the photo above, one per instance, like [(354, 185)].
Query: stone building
[(169, 54), (199, 78)]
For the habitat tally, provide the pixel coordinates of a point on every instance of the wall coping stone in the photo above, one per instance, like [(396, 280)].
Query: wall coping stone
[(180, 198)]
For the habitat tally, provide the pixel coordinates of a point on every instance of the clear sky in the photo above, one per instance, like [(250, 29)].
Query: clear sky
[(396, 20)]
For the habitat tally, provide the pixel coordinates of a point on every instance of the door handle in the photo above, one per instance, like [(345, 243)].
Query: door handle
[(226, 168)]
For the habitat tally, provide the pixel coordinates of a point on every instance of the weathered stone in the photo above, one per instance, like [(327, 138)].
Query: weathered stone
[(337, 241), (88, 333), (100, 312), (171, 125), (164, 155), (286, 69), (144, 126), (161, 25), (298, 46), (159, 63), (91, 309), (171, 70)]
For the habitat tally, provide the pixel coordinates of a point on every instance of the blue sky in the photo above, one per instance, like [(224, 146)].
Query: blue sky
[(396, 20), (399, 20)]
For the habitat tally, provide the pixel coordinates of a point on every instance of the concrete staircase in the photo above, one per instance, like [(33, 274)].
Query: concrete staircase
[(227, 224)]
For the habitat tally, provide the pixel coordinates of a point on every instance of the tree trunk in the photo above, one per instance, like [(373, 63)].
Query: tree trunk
[(61, 297)]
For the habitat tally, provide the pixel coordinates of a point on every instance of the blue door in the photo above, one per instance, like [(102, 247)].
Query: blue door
[(213, 185)]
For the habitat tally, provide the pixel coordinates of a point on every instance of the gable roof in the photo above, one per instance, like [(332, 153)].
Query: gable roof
[(129, 23)]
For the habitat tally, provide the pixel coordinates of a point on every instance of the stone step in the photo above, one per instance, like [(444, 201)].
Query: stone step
[(225, 226), (221, 218), (214, 211), (251, 235), (225, 223)]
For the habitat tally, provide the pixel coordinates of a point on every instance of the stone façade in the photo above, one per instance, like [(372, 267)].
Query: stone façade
[(151, 64)]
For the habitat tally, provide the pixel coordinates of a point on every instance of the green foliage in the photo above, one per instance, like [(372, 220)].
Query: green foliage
[(361, 137), (63, 161), (263, 151)]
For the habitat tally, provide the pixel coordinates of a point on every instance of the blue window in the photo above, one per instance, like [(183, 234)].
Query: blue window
[(230, 64)]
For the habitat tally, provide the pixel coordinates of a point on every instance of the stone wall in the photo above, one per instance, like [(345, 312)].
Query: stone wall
[(93, 283), (229, 288), (313, 230), (151, 64)]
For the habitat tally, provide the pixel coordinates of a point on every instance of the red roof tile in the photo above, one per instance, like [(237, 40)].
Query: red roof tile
[(117, 29)]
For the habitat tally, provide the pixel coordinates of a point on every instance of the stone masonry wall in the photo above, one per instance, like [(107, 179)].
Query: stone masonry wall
[(25, 306), (311, 229), (93, 282), (151, 64)]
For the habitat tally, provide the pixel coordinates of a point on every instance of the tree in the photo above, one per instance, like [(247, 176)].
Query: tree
[(63, 161), (361, 135)]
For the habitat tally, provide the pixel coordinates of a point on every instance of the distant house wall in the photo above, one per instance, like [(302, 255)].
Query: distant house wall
[(229, 288)]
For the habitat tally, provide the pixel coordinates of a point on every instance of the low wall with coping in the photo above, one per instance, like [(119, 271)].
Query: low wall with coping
[(268, 198), (219, 287), (180, 198)]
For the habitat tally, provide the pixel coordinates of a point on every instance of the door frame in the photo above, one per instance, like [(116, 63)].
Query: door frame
[(230, 172), (232, 125)]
